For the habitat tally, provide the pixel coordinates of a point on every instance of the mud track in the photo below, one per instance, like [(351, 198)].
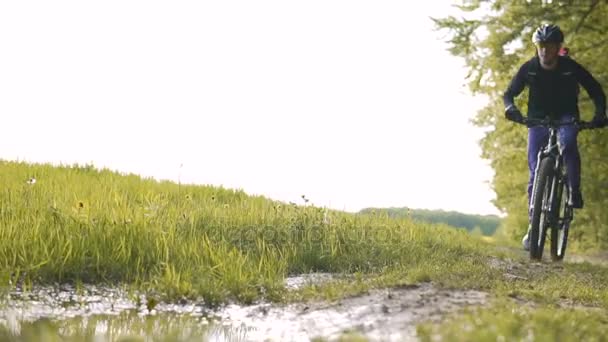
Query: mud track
[(384, 315)]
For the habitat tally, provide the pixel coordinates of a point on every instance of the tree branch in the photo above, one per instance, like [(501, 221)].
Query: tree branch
[(585, 15)]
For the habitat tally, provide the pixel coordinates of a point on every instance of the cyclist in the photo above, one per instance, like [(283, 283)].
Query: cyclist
[(553, 83)]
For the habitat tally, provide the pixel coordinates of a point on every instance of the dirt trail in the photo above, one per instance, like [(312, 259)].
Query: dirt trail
[(380, 315), (596, 259), (600, 258)]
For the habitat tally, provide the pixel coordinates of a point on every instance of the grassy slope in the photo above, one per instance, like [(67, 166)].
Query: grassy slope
[(78, 224)]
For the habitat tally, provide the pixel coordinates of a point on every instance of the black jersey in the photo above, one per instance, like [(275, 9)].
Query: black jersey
[(553, 93)]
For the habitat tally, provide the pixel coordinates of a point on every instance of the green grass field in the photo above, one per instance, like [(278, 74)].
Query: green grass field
[(77, 224)]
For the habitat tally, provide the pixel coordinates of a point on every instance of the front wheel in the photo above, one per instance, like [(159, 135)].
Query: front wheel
[(541, 207), (559, 232)]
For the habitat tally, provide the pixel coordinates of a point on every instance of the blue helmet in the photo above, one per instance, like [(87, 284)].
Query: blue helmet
[(548, 33)]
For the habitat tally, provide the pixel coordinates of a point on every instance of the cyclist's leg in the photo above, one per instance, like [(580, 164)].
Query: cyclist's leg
[(568, 142)]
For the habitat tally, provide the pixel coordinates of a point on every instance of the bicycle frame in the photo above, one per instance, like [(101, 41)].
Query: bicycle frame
[(553, 150), (554, 209)]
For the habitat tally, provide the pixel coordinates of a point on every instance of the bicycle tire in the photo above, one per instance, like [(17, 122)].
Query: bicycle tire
[(541, 195), (559, 232)]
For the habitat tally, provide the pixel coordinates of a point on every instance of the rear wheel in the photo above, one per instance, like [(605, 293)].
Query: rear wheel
[(559, 232), (540, 211)]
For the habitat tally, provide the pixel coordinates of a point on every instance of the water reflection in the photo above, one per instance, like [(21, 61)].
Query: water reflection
[(96, 313), (126, 326), (92, 313)]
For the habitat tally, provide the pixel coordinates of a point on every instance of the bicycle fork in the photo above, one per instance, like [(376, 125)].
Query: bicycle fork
[(553, 205), (539, 159)]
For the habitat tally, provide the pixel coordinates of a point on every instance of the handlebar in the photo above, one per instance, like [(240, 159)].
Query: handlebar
[(552, 123)]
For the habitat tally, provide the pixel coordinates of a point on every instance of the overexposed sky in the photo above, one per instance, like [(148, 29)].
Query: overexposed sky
[(351, 103)]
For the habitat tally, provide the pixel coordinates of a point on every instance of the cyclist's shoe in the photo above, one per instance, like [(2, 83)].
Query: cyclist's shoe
[(526, 240), (576, 200)]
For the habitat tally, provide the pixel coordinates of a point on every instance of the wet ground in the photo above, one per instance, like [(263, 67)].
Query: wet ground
[(387, 315), (379, 315)]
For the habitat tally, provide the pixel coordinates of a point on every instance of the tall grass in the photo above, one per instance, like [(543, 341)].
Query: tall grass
[(506, 321), (77, 223)]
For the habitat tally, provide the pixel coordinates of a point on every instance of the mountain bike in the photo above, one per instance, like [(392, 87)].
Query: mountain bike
[(550, 207)]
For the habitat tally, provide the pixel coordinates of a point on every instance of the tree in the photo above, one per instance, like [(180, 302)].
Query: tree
[(493, 37)]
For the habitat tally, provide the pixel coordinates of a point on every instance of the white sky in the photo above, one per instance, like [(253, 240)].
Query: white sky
[(351, 103)]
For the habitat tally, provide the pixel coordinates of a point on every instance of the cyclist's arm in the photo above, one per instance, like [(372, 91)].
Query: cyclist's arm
[(593, 88), (517, 85)]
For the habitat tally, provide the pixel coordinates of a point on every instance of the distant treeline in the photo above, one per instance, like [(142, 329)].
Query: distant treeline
[(487, 224)]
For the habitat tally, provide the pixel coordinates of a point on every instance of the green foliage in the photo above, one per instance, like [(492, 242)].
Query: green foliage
[(494, 38), (486, 224)]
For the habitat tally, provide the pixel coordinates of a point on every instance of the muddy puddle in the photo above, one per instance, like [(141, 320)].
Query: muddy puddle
[(379, 315)]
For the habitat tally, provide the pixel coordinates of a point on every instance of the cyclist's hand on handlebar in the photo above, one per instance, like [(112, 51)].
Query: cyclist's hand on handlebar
[(599, 121), (513, 114)]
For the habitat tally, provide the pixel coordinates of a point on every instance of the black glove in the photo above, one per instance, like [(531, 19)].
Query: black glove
[(513, 114), (599, 120)]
